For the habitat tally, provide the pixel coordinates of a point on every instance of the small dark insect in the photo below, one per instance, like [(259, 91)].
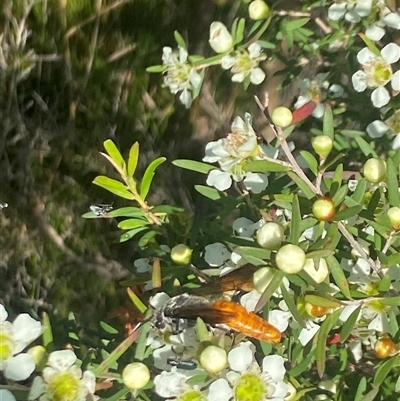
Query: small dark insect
[(100, 209), (222, 314), (3, 205), (186, 364)]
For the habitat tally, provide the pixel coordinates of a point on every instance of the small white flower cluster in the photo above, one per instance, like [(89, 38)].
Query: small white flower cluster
[(244, 379), (233, 152), (374, 12), (182, 76), (62, 379)]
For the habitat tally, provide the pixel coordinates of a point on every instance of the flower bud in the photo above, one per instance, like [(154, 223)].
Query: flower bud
[(318, 273), (270, 236), (39, 355), (220, 39), (316, 311), (375, 170), (385, 347), (262, 277), (290, 259), (135, 375), (181, 254), (394, 217), (213, 359), (322, 145), (258, 9), (324, 209), (282, 117)]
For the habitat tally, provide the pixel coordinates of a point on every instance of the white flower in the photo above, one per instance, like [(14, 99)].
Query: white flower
[(216, 254), (377, 72), (245, 63), (390, 126), (352, 10), (317, 89), (233, 152), (6, 395), (180, 76), (246, 380), (383, 17), (220, 39), (173, 385), (245, 227), (14, 337), (63, 380)]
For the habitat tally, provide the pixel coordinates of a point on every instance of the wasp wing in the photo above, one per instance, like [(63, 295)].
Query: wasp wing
[(240, 279)]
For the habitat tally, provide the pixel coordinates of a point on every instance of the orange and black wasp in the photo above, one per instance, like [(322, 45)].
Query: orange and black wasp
[(221, 313)]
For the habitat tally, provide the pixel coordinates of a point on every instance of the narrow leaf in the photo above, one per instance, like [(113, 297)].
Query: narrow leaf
[(130, 234), (131, 223), (208, 192), (192, 165), (310, 160), (295, 222), (336, 180), (349, 324), (359, 192), (289, 300), (385, 368), (48, 341), (179, 40), (328, 122), (392, 183), (271, 288), (338, 275), (321, 301), (348, 213), (264, 166), (340, 195), (307, 191), (114, 153), (133, 159), (113, 186), (149, 175)]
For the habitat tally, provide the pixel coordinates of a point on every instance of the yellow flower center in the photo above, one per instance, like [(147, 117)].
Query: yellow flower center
[(250, 387), (379, 73), (64, 387), (191, 395), (6, 345)]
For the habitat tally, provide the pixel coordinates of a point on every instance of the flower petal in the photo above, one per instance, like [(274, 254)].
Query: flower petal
[(220, 390), (19, 367), (241, 357), (359, 80), (3, 314), (26, 330), (396, 81), (375, 32), (256, 182), (274, 366), (7, 395), (391, 53), (377, 129), (219, 179), (308, 333), (336, 11), (380, 97), (61, 360), (257, 75)]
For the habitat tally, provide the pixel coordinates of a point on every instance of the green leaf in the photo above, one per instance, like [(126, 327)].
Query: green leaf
[(392, 184), (390, 301), (107, 362), (129, 211), (259, 253), (289, 300), (321, 339), (365, 146), (348, 213), (328, 122), (264, 166), (208, 192), (321, 301), (370, 44), (393, 259), (48, 340), (295, 222), (149, 175), (113, 186), (340, 195), (371, 395), (296, 24), (108, 329), (192, 165), (133, 159), (156, 68), (349, 324), (113, 152), (310, 160), (384, 369), (338, 275), (307, 191), (271, 288), (202, 332), (238, 38), (362, 386), (179, 40), (336, 180), (130, 234), (119, 395), (359, 192), (131, 223)]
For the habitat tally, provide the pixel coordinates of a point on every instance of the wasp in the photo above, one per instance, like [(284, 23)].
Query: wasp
[(229, 315)]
